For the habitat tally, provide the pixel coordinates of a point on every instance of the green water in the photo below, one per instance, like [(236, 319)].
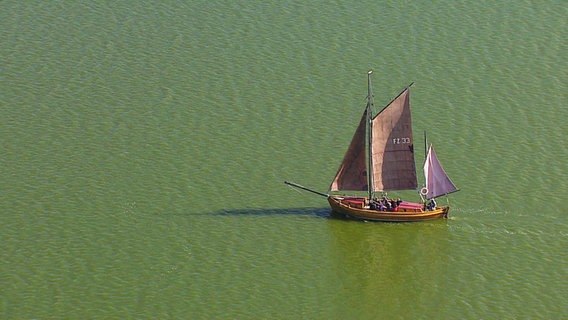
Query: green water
[(144, 146)]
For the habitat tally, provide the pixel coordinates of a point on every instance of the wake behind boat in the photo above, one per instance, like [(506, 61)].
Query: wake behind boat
[(379, 159)]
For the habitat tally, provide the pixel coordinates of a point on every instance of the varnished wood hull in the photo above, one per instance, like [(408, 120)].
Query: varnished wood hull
[(345, 208)]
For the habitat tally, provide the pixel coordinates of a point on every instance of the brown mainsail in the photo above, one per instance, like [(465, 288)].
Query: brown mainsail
[(352, 173), (392, 146), (392, 150)]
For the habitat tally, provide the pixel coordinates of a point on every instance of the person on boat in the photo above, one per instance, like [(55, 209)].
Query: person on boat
[(393, 205), (387, 204), (373, 204), (432, 205), (376, 204)]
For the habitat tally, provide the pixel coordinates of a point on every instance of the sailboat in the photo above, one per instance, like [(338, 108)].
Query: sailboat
[(380, 158)]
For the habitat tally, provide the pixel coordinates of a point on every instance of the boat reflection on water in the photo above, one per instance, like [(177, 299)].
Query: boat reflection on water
[(392, 267)]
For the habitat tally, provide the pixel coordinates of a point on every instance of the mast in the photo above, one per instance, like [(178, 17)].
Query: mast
[(425, 160), (370, 134), (425, 147)]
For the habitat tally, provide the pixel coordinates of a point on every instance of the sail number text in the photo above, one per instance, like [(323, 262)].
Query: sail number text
[(400, 140)]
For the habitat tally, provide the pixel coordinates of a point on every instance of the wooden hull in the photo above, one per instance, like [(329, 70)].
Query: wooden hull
[(351, 210)]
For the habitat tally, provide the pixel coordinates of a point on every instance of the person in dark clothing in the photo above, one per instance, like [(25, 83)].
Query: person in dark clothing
[(432, 205)]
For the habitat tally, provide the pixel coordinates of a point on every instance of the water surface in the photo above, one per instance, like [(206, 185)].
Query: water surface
[(145, 146)]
